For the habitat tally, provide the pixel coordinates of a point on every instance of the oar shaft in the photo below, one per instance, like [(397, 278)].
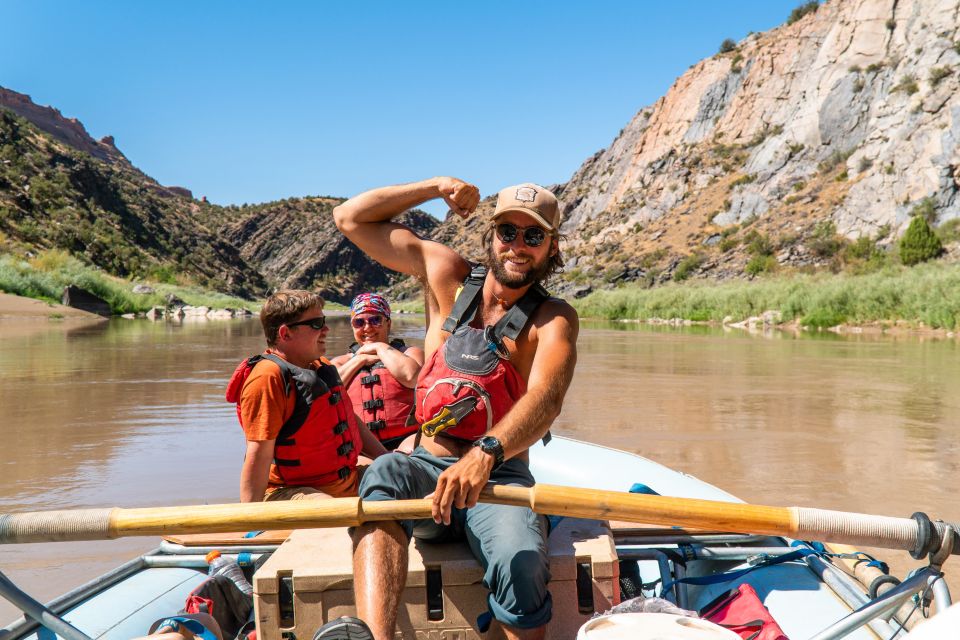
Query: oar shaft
[(102, 524), (794, 522)]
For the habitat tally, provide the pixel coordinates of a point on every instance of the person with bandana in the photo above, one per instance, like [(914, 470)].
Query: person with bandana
[(379, 373)]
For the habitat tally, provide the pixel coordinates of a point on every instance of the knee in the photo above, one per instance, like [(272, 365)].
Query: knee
[(386, 478)]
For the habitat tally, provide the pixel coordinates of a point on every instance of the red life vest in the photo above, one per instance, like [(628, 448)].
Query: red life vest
[(320, 442), (468, 384), (385, 405)]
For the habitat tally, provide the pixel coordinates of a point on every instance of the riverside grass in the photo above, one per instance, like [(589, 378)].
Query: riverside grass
[(45, 276), (927, 293)]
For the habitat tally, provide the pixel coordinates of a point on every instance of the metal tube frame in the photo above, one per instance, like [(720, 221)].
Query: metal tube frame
[(889, 601), (40, 614)]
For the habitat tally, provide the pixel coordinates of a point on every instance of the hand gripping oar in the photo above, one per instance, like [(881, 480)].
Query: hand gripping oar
[(918, 535)]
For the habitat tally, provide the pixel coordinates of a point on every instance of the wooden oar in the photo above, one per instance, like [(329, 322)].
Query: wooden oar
[(801, 523)]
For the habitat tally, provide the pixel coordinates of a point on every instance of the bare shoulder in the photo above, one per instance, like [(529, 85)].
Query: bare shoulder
[(558, 317)]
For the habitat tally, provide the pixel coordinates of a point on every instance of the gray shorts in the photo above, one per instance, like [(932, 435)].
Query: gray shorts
[(509, 542)]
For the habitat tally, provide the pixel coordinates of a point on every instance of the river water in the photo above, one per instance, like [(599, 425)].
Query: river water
[(131, 413)]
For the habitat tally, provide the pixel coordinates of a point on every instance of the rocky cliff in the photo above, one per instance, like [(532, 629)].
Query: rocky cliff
[(846, 120), (295, 243)]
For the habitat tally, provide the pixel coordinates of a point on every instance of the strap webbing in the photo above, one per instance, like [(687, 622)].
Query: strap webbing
[(466, 304), (516, 318)]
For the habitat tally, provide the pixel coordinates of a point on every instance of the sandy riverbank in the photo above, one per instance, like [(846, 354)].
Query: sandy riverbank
[(13, 308)]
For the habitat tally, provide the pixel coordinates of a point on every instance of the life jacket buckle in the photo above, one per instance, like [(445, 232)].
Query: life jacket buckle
[(340, 428), (371, 379), (335, 397), (376, 425), (343, 473), (345, 448), (373, 404)]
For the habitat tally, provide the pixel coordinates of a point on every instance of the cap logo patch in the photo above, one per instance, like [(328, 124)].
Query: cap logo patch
[(526, 194)]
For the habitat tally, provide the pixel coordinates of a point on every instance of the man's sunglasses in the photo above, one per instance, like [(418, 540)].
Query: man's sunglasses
[(314, 323), (532, 236), (373, 321)]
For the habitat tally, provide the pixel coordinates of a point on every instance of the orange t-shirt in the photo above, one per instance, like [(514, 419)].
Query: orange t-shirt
[(264, 407)]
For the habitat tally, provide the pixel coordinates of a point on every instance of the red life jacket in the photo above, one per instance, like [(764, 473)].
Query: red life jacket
[(468, 384), (385, 405), (320, 442)]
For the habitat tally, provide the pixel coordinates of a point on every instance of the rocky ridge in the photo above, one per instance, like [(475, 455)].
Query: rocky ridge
[(845, 120), (60, 189)]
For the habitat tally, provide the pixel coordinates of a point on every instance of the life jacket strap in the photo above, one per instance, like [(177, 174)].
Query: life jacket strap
[(466, 305)]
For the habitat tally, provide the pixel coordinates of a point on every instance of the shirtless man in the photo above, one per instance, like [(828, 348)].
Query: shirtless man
[(482, 428)]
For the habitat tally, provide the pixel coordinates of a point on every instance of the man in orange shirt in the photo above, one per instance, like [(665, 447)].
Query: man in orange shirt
[(303, 438)]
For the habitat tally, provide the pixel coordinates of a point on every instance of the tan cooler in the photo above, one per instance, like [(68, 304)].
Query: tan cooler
[(309, 580)]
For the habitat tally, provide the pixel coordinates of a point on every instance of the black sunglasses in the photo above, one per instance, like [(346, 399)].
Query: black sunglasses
[(532, 236), (314, 323)]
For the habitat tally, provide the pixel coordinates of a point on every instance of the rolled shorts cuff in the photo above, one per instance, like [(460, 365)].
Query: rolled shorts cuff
[(530, 620), (378, 496)]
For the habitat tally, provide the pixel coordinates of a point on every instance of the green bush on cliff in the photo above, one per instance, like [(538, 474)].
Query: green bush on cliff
[(802, 10), (728, 45), (919, 243)]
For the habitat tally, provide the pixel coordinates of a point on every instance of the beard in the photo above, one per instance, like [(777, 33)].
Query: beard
[(536, 273)]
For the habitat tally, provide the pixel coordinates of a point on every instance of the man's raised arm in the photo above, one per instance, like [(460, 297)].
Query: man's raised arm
[(366, 220)]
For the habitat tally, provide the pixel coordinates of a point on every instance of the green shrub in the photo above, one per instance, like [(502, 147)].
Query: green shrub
[(891, 24), (735, 63), (758, 244), (728, 243), (863, 248), (927, 209), (823, 319), (874, 67), (908, 84), (949, 231), (919, 243), (825, 242), (937, 74), (687, 266), (760, 264), (728, 45), (744, 179), (835, 158), (802, 10)]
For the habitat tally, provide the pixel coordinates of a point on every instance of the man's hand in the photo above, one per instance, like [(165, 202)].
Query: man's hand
[(462, 197), (460, 485)]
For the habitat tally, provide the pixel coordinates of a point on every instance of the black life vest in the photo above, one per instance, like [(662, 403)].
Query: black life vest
[(320, 442)]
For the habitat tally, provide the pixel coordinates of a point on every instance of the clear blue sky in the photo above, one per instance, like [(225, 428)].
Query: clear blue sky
[(255, 101)]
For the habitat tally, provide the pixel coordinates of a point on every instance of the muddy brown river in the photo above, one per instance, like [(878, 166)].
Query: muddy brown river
[(131, 413)]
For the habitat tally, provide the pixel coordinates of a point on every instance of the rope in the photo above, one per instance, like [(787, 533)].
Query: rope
[(856, 528)]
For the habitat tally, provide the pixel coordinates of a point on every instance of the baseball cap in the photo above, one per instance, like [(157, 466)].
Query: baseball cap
[(531, 199)]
